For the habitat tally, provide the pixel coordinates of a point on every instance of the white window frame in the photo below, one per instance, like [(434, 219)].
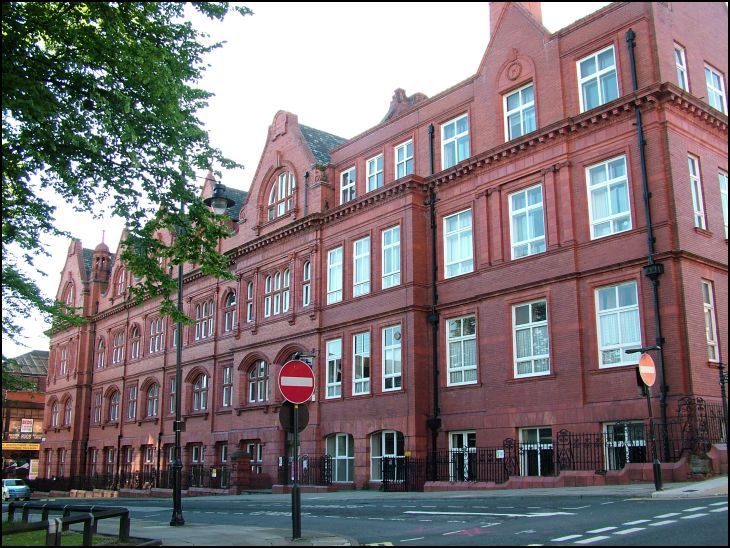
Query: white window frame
[(63, 365), (98, 403), (460, 367), (258, 382), (361, 370), (249, 302), (598, 75), (229, 312), (341, 447), (173, 395), (404, 159), (200, 393), (526, 447), (534, 243), (522, 110), (708, 305), (609, 184), (454, 263), (114, 406), (136, 343), (390, 242), (535, 328), (680, 61), (157, 332), (462, 451), (715, 82), (374, 173), (334, 274), (334, 369), (378, 445), (361, 267), (722, 178), (618, 311), (348, 180), (456, 140), (392, 358), (152, 400), (118, 347), (306, 284), (695, 183), (619, 439), (132, 403), (227, 396), (281, 196)]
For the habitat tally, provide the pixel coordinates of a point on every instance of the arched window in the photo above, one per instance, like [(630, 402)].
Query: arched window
[(249, 302), (67, 412), (157, 335), (200, 393), (68, 294), (281, 196), (121, 282), (204, 314), (100, 354), (54, 415), (307, 284), (229, 312), (134, 336), (153, 398), (258, 382), (114, 406), (118, 348)]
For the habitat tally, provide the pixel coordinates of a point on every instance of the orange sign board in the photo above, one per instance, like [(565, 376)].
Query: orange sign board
[(647, 370)]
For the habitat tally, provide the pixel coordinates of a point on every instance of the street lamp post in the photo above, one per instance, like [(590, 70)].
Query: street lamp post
[(219, 202), (657, 465)]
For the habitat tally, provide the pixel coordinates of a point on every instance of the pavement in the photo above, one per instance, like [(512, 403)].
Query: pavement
[(192, 534)]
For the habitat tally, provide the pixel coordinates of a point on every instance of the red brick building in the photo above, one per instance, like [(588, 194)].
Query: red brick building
[(471, 270)]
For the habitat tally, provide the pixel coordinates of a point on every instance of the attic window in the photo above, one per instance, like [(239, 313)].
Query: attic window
[(281, 197)]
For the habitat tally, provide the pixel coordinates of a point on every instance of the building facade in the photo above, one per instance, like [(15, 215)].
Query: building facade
[(471, 270)]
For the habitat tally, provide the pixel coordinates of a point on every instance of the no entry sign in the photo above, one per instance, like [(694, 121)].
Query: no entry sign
[(647, 370), (296, 381)]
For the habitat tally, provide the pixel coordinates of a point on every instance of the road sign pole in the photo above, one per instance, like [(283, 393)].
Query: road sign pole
[(296, 496), (656, 466)]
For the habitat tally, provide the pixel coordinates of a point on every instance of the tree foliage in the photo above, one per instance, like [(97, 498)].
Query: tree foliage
[(100, 108)]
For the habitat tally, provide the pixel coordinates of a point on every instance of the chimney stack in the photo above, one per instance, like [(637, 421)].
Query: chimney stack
[(496, 9)]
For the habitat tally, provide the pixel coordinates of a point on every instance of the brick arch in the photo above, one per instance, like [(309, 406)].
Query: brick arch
[(283, 355), (149, 381), (250, 359), (110, 390), (195, 372)]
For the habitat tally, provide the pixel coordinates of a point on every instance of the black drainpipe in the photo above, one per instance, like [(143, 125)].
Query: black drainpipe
[(653, 270), (434, 421), (306, 193)]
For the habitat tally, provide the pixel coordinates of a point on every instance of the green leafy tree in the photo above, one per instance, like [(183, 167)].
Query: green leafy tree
[(100, 110)]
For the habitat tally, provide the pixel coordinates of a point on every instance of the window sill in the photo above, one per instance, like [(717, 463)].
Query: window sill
[(530, 378), (153, 420), (263, 406), (703, 232), (224, 411), (196, 414)]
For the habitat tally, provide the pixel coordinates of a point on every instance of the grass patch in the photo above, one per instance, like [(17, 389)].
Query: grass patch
[(68, 538)]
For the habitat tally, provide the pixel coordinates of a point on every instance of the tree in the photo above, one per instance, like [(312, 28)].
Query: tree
[(99, 107)]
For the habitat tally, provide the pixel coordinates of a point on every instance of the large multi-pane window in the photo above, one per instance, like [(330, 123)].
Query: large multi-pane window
[(608, 198), (341, 447), (96, 411), (173, 395), (118, 348), (680, 60), (519, 112), (695, 183), (334, 275), (200, 393), (454, 141), (227, 399), (374, 172), (276, 297), (258, 382), (63, 361), (458, 252), (157, 335), (361, 267), (361, 363), (132, 403), (334, 368), (54, 414), (100, 354), (391, 257), (715, 89), (388, 444), (617, 308), (229, 312), (404, 159), (153, 400), (347, 185), (597, 79), (461, 350), (249, 302), (392, 368), (306, 284), (527, 222), (708, 303), (114, 406), (531, 341), (281, 196), (204, 316), (68, 412), (722, 177)]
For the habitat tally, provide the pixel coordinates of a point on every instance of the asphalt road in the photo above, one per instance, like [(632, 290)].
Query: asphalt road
[(463, 519)]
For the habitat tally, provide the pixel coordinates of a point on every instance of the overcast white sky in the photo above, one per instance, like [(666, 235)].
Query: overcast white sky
[(334, 65)]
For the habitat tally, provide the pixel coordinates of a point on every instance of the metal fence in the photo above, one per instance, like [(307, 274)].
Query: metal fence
[(312, 470)]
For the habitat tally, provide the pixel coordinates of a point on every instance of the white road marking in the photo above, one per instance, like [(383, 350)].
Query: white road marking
[(628, 531), (452, 532), (636, 522), (660, 523), (562, 539), (412, 539), (718, 503), (591, 539), (602, 530), (533, 515), (693, 516), (719, 510), (669, 515), (694, 509)]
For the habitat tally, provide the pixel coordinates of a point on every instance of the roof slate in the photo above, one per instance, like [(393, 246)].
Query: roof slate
[(34, 363), (321, 142)]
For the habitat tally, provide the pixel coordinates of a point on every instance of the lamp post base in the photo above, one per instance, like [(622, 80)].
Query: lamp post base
[(177, 519)]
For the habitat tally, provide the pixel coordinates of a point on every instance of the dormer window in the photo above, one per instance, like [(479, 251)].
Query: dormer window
[(281, 197)]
